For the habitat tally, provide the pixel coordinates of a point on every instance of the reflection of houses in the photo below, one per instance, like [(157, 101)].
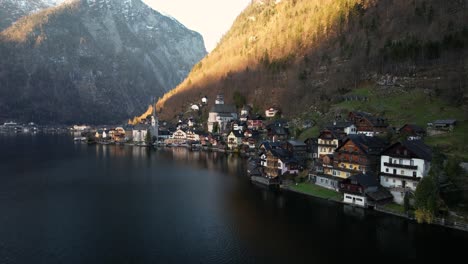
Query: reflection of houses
[(363, 189), (402, 166), (221, 114), (279, 162), (139, 133), (368, 124), (234, 139), (412, 131)]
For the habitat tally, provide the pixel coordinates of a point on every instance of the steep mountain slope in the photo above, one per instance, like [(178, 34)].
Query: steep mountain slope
[(92, 61), (303, 54), (12, 10)]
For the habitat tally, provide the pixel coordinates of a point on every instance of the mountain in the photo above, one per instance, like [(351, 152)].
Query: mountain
[(303, 55), (96, 61), (12, 10)]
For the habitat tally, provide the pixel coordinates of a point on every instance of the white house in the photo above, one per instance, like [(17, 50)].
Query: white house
[(192, 136), (271, 112), (221, 114), (234, 139), (402, 165), (139, 133)]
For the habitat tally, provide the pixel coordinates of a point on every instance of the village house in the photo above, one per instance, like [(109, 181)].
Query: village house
[(442, 125), (245, 112), (271, 112), (278, 131), (403, 165), (255, 124), (279, 162), (298, 149), (368, 124), (264, 148), (139, 133), (192, 136), (312, 147), (328, 141), (234, 139), (221, 114), (358, 153), (412, 132), (341, 127), (363, 189)]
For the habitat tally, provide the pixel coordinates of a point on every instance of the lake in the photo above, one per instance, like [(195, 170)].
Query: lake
[(66, 202)]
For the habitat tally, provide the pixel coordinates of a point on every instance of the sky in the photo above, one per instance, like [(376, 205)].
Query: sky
[(211, 18)]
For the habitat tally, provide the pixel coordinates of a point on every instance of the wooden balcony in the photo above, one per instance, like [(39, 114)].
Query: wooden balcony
[(394, 165)]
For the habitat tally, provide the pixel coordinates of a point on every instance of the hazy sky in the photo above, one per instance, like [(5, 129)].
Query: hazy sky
[(211, 18)]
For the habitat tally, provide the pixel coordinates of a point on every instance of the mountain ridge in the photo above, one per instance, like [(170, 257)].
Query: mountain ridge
[(310, 52), (92, 61)]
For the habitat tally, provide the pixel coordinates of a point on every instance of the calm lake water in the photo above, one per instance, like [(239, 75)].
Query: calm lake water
[(62, 202)]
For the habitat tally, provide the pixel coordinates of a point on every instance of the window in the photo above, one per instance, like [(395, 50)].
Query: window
[(401, 162), (326, 181), (348, 174), (414, 174), (321, 180), (402, 172), (390, 160), (348, 197), (386, 169), (412, 162), (359, 199)]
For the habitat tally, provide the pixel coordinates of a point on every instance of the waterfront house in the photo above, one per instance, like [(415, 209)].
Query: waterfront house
[(363, 189), (234, 139), (139, 133), (358, 153), (368, 124), (221, 114), (192, 136), (264, 148), (279, 162), (403, 165)]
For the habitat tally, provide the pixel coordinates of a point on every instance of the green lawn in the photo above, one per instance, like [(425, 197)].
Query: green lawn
[(317, 191), (395, 208), (308, 133), (414, 106)]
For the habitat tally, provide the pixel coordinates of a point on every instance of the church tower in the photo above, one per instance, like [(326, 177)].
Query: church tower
[(155, 123)]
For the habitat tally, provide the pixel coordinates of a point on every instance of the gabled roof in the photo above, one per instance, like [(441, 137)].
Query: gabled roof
[(366, 180), (297, 143), (334, 134), (374, 120), (268, 145), (237, 133), (415, 128), (339, 125), (369, 145), (416, 147), (445, 122)]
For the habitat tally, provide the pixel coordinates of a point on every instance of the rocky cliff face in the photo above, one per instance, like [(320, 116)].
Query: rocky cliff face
[(92, 61), (12, 10)]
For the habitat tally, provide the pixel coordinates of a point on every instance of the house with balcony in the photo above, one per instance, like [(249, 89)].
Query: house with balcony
[(328, 141), (234, 139), (298, 149), (367, 124), (403, 165), (363, 189), (358, 153), (279, 162)]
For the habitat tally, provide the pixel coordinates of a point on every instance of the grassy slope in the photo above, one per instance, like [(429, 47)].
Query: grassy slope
[(400, 107)]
